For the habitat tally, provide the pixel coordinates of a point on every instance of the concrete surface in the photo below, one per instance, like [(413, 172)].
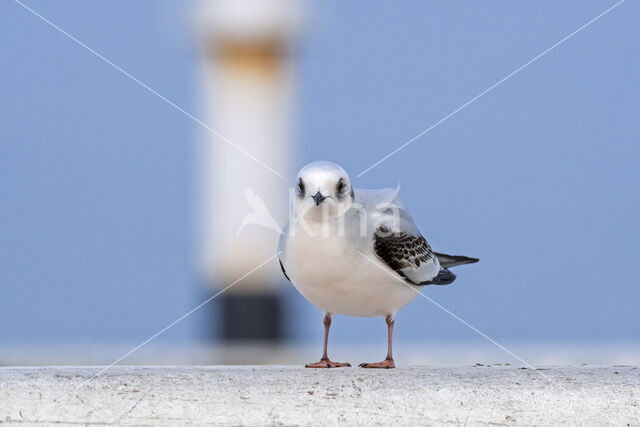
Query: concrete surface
[(268, 395)]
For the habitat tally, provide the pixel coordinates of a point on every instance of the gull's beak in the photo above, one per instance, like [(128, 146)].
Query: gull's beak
[(318, 198)]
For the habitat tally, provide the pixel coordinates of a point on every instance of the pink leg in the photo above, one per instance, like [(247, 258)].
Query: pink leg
[(388, 362), (325, 362)]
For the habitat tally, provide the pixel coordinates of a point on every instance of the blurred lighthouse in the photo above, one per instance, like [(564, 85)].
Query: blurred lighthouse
[(247, 73)]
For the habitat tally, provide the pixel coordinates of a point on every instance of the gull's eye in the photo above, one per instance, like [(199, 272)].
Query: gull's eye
[(340, 186), (300, 188)]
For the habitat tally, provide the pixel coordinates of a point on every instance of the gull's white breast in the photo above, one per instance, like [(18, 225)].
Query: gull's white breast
[(330, 272)]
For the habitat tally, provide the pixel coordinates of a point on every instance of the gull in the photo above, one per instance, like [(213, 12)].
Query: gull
[(356, 252)]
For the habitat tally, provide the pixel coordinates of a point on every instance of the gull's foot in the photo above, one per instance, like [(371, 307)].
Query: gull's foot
[(326, 363), (385, 364)]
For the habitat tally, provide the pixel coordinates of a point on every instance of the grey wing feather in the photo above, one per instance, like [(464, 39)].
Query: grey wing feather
[(397, 240)]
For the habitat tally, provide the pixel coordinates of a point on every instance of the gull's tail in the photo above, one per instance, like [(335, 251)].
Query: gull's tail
[(447, 261)]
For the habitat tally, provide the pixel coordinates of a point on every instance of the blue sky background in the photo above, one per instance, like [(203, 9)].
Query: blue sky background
[(539, 178)]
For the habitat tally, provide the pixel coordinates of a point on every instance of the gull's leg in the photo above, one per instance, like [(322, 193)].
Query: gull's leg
[(325, 362), (388, 362)]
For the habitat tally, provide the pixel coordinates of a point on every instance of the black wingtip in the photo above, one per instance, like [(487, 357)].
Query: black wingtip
[(453, 260)]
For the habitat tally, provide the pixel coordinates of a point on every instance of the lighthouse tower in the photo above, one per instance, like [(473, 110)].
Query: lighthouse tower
[(247, 74)]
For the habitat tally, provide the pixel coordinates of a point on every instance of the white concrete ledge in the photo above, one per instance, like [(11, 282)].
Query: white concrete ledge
[(259, 395)]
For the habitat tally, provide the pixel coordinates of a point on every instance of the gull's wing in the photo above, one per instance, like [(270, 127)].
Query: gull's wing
[(372, 198), (411, 257), (398, 242), (282, 248), (453, 260)]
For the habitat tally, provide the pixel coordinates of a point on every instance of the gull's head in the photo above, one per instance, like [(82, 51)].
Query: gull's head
[(323, 191)]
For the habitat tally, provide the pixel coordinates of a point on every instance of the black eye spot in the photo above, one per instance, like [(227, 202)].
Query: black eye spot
[(340, 186), (300, 188)]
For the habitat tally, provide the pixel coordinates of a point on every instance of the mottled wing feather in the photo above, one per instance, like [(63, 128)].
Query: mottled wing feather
[(410, 256), (401, 250)]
